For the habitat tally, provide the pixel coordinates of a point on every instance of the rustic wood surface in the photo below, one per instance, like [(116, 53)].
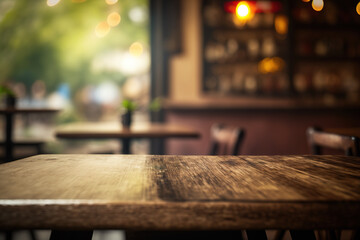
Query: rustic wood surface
[(115, 130), (28, 110), (149, 192)]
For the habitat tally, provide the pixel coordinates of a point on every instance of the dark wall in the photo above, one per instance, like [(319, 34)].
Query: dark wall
[(268, 132)]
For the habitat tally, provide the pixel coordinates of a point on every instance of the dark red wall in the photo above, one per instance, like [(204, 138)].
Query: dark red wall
[(268, 132)]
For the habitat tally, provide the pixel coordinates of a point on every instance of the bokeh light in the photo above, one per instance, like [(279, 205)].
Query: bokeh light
[(111, 2), (52, 3), (132, 88), (243, 13), (271, 65), (317, 5), (136, 49), (106, 93), (358, 8), (306, 0), (102, 29), (138, 14), (281, 24), (243, 10), (123, 62), (113, 19)]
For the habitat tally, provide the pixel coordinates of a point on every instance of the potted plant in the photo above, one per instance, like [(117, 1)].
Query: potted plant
[(8, 95), (129, 107)]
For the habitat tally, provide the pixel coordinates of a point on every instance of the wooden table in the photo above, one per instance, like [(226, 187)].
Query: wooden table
[(9, 125), (149, 192), (106, 130)]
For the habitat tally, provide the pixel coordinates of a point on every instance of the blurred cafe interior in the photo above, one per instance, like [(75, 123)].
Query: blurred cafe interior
[(273, 68)]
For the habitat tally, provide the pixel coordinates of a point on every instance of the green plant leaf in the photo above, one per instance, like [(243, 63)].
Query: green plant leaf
[(4, 90), (129, 105)]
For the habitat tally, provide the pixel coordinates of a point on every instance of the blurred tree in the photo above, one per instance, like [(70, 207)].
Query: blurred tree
[(58, 44)]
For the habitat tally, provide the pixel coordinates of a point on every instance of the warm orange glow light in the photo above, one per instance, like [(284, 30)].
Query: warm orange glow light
[(102, 29), (136, 49), (243, 10), (52, 3), (317, 5), (113, 19), (281, 24), (111, 2), (306, 0), (358, 8), (271, 65)]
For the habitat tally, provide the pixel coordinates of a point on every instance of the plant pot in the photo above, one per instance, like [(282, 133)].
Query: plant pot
[(10, 101), (126, 119)]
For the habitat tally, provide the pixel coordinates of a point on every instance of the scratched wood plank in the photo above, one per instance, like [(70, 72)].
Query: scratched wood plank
[(180, 192), (28, 110)]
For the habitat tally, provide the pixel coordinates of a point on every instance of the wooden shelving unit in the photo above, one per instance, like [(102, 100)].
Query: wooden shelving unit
[(318, 56)]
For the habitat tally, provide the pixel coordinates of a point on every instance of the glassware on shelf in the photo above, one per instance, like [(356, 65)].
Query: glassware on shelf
[(213, 14), (214, 52), (321, 47), (319, 80), (238, 81), (250, 84), (300, 83), (268, 47), (253, 48), (211, 83), (225, 84)]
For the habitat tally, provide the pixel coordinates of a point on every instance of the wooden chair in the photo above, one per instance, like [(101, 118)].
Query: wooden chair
[(319, 140), (226, 140)]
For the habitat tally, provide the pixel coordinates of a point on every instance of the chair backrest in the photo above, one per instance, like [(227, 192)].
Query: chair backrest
[(318, 140), (226, 140)]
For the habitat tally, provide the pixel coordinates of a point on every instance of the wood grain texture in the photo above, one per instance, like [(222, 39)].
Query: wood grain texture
[(115, 130), (28, 110), (144, 192)]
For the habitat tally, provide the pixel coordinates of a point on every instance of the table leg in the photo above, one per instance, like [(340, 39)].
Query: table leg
[(8, 235), (126, 145), (71, 235), (9, 145), (356, 234)]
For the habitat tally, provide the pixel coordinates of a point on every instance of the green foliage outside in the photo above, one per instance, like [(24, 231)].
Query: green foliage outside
[(58, 44), (6, 91)]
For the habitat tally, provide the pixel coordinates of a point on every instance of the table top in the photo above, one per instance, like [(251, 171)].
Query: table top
[(348, 131), (115, 130), (180, 192), (28, 110)]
